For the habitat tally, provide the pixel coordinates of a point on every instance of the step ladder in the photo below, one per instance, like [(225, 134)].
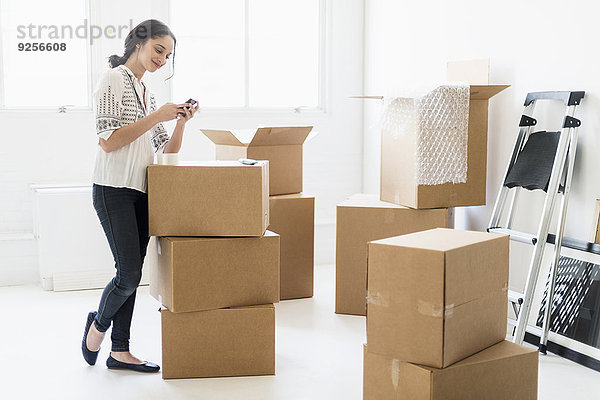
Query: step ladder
[(540, 160)]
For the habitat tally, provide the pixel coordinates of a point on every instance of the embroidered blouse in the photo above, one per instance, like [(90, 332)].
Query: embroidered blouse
[(118, 102)]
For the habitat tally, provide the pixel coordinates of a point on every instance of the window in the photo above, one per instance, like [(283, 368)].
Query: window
[(248, 54), (43, 51)]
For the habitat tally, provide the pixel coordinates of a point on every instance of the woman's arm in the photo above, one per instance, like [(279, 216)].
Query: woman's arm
[(128, 133)]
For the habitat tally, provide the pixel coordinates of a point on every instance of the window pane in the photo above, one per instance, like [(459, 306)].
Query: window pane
[(44, 78), (209, 58), (284, 53)]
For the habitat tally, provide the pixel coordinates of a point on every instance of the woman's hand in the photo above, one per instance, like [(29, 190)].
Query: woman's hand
[(168, 112), (187, 113)]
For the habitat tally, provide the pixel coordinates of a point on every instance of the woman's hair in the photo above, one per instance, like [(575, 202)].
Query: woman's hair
[(149, 29)]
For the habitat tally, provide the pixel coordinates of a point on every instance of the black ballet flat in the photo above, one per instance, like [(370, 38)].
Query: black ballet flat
[(147, 366), (89, 356)]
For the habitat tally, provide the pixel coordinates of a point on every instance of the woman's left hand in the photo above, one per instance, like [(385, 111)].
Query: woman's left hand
[(187, 113)]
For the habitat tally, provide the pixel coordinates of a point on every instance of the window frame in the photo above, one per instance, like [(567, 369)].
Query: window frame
[(245, 110), (59, 108)]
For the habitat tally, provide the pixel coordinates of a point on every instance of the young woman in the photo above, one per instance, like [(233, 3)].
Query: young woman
[(130, 131)]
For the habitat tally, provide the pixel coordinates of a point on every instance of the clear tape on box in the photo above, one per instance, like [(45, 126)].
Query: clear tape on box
[(440, 122)]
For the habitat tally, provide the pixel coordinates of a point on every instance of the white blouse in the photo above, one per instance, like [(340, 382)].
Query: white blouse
[(118, 102)]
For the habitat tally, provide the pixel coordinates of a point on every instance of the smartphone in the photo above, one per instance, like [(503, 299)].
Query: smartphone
[(191, 101)]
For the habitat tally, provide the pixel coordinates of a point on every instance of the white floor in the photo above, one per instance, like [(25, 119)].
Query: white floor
[(319, 353)]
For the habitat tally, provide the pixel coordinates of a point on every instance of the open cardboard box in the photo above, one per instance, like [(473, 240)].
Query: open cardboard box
[(399, 182), (282, 146)]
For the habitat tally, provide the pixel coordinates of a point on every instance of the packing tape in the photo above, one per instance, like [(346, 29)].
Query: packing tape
[(377, 299), (167, 158), (395, 373), (429, 309)]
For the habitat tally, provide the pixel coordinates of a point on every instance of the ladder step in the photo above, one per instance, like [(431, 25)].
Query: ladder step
[(516, 235), (515, 297)]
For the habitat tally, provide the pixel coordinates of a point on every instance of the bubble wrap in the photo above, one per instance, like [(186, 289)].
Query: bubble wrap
[(440, 121)]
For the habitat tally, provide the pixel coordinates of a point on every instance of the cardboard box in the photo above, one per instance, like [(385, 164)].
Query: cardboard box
[(501, 372), (398, 162), (195, 273), (293, 218), (282, 146), (225, 342), (214, 198), (360, 219), (438, 296)]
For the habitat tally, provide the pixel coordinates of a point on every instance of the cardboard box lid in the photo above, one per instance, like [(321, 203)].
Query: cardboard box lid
[(267, 136), (267, 306), (439, 239), (214, 163), (179, 239), (502, 350)]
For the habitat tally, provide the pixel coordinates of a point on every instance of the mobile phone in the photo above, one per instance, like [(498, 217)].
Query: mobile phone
[(191, 101), (247, 161)]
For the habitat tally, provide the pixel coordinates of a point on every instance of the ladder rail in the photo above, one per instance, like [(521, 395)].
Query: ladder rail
[(542, 232), (546, 323), (524, 132)]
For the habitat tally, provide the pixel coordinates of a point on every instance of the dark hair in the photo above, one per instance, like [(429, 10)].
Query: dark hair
[(149, 29)]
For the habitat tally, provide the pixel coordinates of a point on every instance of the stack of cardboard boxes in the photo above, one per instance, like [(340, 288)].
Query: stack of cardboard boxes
[(217, 274), (436, 299), (406, 205), (436, 320), (291, 211)]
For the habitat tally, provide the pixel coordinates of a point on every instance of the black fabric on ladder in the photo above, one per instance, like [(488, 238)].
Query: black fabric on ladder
[(534, 163)]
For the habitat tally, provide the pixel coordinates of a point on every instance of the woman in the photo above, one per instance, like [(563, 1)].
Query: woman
[(130, 131)]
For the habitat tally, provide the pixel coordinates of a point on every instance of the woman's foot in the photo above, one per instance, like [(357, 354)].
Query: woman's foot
[(125, 360), (94, 338), (125, 357)]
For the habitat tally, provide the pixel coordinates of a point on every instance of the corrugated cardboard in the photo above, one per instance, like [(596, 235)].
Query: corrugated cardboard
[(501, 372), (438, 296), (360, 219), (282, 146), (214, 198), (398, 154), (293, 218), (224, 342), (195, 273)]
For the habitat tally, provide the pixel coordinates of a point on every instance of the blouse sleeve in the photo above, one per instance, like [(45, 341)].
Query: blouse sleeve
[(159, 134), (108, 99)]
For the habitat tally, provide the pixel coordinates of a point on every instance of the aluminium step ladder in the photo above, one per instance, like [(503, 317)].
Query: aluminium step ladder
[(540, 160)]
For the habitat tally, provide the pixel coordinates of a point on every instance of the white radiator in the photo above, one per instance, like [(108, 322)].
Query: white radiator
[(72, 248)]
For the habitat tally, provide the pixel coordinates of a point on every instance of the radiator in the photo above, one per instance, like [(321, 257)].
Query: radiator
[(72, 249)]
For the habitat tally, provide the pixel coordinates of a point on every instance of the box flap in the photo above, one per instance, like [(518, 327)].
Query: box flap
[(222, 137), (278, 136), (439, 239), (484, 92)]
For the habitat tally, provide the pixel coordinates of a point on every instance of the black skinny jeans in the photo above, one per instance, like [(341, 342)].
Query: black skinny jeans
[(123, 214)]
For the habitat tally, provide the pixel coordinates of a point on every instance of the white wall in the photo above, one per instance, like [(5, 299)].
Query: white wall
[(60, 148), (533, 46)]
